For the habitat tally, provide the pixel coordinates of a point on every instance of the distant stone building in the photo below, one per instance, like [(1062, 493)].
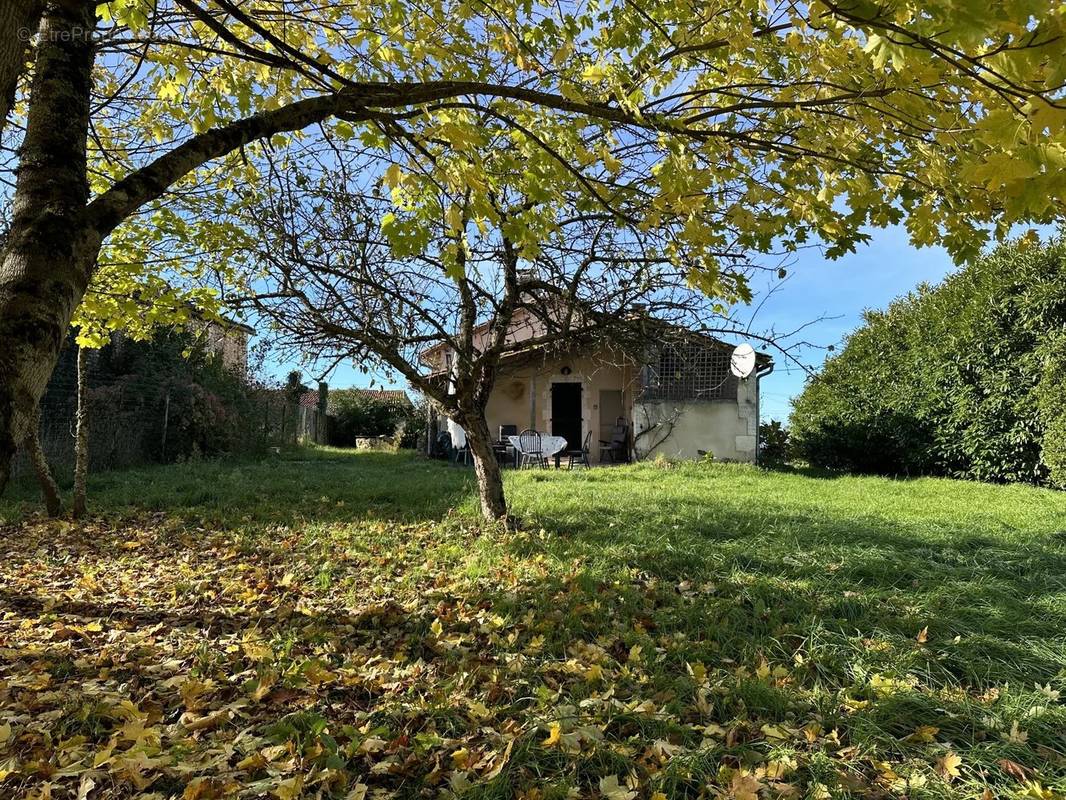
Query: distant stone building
[(391, 397), (227, 339)]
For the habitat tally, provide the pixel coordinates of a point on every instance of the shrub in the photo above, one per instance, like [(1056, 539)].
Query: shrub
[(205, 403), (945, 381), (357, 414), (1051, 400), (774, 443)]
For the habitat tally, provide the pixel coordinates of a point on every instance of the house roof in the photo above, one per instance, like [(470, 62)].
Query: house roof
[(231, 324), (430, 354), (222, 321), (393, 396)]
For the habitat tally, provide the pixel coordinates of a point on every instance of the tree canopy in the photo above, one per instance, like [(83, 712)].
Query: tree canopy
[(740, 125), (765, 124)]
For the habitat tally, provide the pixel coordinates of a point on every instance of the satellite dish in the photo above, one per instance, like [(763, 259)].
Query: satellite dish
[(742, 362)]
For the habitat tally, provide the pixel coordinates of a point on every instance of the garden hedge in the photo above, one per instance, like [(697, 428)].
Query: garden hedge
[(965, 379)]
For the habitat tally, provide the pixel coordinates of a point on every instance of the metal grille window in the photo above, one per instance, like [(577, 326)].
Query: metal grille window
[(689, 371)]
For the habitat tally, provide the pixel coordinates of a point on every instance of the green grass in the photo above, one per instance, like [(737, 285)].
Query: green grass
[(697, 630)]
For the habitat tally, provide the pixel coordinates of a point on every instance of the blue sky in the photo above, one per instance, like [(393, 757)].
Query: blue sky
[(840, 290)]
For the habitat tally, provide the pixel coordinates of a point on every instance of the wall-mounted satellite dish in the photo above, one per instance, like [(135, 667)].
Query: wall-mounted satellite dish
[(742, 362)]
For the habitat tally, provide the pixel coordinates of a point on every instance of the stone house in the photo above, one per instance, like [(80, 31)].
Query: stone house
[(677, 397)]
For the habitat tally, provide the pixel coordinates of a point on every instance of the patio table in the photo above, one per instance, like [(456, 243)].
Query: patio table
[(551, 446)]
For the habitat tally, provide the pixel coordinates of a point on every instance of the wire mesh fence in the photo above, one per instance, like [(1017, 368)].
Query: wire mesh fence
[(137, 419)]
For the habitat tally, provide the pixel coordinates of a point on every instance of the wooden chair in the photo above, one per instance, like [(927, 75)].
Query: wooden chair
[(619, 444), (532, 454), (580, 456)]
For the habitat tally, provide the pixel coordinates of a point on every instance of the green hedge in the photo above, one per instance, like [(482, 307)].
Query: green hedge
[(1051, 400), (356, 415), (963, 379)]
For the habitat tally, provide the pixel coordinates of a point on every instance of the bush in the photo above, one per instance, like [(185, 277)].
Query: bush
[(774, 444), (948, 379), (355, 414), (205, 403), (1051, 401)]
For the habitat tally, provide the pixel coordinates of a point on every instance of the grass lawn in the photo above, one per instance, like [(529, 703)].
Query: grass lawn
[(338, 625)]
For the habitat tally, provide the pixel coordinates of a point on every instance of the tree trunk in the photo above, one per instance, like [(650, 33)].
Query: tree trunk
[(50, 249), (49, 490), (487, 469), (81, 440), (18, 21)]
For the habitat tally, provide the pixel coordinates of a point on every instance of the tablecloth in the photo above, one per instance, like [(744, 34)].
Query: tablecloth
[(549, 445)]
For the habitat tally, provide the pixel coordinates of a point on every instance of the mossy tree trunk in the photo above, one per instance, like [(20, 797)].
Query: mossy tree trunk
[(489, 479), (50, 249), (18, 20)]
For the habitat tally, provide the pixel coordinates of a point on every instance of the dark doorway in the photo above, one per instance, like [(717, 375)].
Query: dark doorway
[(566, 413)]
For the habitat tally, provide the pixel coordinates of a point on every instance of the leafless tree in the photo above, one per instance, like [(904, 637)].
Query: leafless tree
[(334, 290)]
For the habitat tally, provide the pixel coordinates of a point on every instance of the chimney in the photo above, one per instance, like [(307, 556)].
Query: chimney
[(525, 276)]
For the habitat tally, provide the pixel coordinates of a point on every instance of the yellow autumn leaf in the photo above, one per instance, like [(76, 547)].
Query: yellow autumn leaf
[(393, 176), (594, 73), (924, 733), (612, 789), (745, 787), (775, 732), (455, 217), (1015, 735), (948, 765), (479, 710), (461, 758), (290, 788), (555, 731)]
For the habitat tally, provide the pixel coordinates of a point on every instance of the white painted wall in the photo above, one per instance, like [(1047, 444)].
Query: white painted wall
[(726, 428)]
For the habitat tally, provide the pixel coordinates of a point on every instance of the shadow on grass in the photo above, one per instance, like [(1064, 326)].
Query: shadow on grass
[(320, 486), (993, 601)]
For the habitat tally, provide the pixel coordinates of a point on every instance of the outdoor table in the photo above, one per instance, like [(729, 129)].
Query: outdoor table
[(550, 446)]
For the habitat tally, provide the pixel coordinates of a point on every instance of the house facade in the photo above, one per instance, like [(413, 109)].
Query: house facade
[(676, 398)]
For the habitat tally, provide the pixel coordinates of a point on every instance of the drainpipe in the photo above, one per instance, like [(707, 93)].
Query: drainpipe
[(758, 405)]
